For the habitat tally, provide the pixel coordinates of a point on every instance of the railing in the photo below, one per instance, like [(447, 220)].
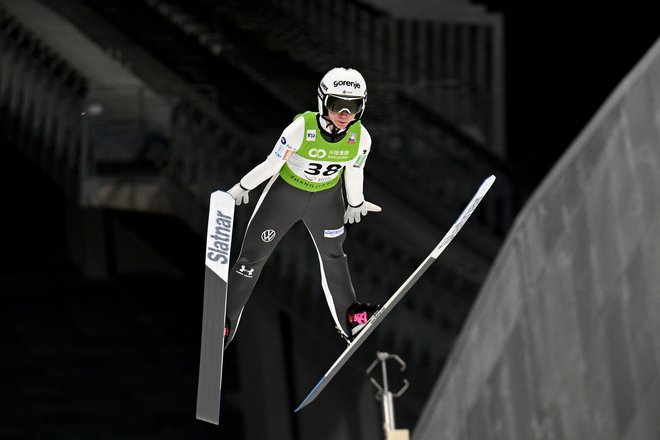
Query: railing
[(419, 148), (40, 101), (209, 152), (454, 63), (410, 134), (201, 150), (205, 155)]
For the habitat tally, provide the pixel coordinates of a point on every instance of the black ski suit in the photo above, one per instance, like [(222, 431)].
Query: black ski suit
[(304, 174)]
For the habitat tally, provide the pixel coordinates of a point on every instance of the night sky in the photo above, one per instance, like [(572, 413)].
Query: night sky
[(561, 65)]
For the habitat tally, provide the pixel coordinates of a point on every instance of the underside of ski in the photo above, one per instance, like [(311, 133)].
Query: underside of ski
[(399, 294), (218, 246)]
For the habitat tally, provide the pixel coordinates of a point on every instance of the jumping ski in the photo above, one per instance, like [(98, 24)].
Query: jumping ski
[(399, 294), (218, 246)]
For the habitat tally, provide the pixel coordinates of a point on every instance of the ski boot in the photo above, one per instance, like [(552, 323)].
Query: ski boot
[(357, 317)]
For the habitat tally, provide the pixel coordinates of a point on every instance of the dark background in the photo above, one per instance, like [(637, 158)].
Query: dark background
[(562, 61), (561, 64)]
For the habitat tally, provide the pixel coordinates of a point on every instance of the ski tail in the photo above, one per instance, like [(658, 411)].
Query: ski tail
[(218, 246), (312, 394), (399, 294)]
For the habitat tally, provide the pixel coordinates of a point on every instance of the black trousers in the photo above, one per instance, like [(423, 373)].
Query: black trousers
[(280, 207)]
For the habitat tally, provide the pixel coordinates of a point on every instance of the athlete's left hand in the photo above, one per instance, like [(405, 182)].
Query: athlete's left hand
[(354, 214)]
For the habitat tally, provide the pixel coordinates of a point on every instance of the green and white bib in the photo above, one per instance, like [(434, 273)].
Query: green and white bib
[(318, 164)]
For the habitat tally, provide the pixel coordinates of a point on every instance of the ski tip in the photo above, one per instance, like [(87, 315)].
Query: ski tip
[(485, 186), (220, 194)]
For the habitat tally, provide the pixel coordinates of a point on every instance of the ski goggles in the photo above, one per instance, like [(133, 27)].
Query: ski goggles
[(337, 105)]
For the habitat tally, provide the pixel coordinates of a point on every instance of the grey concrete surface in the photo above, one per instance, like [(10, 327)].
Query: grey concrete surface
[(563, 342)]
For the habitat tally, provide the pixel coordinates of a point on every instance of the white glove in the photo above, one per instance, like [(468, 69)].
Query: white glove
[(354, 214), (239, 194)]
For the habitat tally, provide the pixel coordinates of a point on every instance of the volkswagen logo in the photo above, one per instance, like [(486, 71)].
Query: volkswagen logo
[(268, 235)]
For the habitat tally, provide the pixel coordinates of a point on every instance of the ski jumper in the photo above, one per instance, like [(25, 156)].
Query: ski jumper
[(303, 172)]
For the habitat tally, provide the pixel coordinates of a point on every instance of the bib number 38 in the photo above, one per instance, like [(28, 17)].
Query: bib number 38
[(318, 168)]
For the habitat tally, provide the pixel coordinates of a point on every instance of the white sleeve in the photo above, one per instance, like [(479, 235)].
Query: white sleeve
[(288, 143), (354, 173)]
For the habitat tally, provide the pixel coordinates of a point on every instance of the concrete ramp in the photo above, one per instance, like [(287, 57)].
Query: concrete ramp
[(564, 340)]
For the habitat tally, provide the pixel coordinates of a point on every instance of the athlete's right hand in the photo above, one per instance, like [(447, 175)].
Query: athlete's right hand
[(239, 194)]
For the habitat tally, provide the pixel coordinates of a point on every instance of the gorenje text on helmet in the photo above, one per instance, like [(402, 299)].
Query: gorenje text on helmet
[(353, 84)]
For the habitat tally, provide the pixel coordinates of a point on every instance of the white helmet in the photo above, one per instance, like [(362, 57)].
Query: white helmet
[(342, 89)]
